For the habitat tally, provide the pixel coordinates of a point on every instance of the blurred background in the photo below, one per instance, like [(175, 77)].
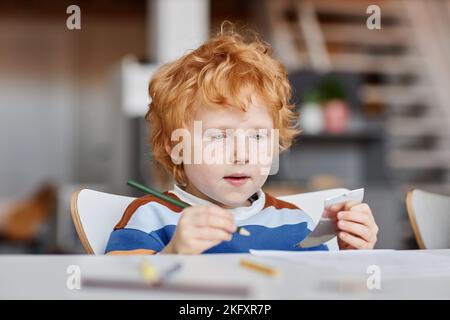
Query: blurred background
[(373, 102)]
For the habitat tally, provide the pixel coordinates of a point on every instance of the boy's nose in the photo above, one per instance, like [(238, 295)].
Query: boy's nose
[(241, 161), (241, 156)]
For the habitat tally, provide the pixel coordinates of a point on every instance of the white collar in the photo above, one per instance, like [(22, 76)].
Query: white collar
[(239, 213)]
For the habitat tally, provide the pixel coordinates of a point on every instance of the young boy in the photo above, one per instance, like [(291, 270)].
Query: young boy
[(227, 88)]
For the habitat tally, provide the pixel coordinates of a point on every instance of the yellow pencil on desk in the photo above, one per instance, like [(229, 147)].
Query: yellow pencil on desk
[(150, 273), (259, 267)]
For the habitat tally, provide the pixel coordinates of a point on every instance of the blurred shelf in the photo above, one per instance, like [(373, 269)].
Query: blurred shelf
[(347, 137)]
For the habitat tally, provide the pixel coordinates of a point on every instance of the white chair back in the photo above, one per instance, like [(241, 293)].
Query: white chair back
[(429, 214), (95, 214)]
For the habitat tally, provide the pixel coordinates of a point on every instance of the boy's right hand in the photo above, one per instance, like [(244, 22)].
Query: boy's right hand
[(200, 228)]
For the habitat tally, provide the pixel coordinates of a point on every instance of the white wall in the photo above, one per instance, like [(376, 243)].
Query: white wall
[(37, 114), (56, 119)]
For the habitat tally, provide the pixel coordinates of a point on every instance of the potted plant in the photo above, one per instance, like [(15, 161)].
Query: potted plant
[(336, 111), (311, 115)]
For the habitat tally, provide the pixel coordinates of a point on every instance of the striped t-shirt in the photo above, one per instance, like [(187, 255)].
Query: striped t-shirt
[(149, 223)]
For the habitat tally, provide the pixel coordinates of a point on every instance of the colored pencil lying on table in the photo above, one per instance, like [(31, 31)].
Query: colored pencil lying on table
[(152, 274), (259, 267), (181, 204)]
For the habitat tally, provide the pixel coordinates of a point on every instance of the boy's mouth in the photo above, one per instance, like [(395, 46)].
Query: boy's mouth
[(237, 179)]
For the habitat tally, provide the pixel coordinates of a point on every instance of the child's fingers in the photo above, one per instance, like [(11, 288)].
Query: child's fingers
[(363, 207), (336, 207), (355, 216), (215, 221), (200, 246), (353, 241), (343, 206), (349, 205), (212, 234), (206, 244), (356, 229)]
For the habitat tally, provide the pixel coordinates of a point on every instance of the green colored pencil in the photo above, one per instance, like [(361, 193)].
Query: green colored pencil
[(178, 203), (158, 194)]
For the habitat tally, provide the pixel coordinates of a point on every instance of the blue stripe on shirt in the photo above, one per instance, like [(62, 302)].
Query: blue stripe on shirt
[(262, 238)]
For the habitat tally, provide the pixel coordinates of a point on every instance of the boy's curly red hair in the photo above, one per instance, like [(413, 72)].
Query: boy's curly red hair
[(214, 75)]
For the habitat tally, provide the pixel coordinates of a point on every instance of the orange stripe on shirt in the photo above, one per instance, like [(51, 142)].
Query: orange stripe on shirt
[(133, 206), (271, 201)]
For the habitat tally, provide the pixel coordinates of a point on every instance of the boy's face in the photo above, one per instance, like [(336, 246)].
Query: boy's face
[(239, 165)]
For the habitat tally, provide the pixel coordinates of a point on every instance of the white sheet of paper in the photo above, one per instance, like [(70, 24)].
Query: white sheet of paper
[(394, 264), (326, 228)]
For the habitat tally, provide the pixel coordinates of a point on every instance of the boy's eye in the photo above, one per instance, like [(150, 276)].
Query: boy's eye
[(259, 136), (218, 136)]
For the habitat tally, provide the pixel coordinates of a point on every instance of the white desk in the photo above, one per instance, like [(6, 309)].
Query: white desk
[(44, 277)]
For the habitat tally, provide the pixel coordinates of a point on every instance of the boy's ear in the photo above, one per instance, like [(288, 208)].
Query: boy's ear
[(174, 158), (169, 150)]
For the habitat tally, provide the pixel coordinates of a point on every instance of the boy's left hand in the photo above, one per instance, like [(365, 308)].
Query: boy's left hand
[(356, 226)]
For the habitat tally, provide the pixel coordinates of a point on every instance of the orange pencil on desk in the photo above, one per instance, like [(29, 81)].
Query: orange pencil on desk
[(259, 267)]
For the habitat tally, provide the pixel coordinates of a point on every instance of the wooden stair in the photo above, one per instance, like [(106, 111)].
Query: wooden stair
[(412, 44)]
